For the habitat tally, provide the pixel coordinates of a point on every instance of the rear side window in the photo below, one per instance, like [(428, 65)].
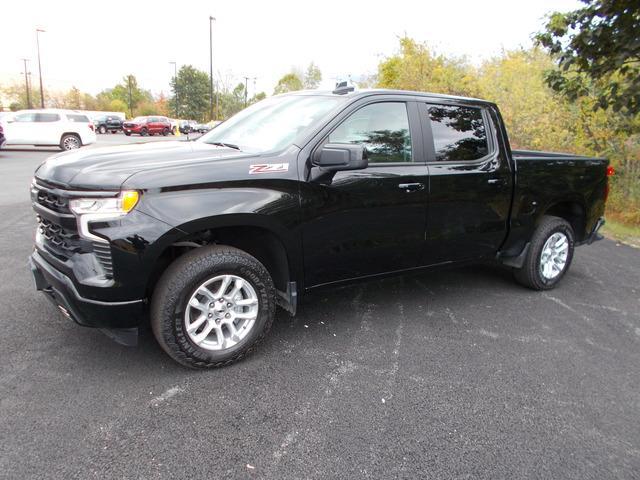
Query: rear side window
[(383, 128), (459, 133), (78, 118), (25, 117), (47, 117)]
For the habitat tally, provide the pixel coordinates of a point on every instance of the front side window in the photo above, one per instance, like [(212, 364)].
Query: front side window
[(383, 128), (459, 133), (47, 117)]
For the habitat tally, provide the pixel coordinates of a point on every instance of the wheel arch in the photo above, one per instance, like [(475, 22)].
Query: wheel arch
[(571, 210), (274, 249)]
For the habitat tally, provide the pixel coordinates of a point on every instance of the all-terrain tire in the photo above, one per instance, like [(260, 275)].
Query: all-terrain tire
[(178, 283), (530, 275)]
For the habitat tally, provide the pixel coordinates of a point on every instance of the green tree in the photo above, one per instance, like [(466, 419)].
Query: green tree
[(535, 117), (258, 97), (16, 94), (127, 92), (288, 83), (312, 77), (416, 67), (191, 88), (598, 52)]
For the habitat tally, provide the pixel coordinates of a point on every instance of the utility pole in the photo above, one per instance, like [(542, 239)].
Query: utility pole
[(130, 107), (211, 20), (38, 30), (26, 83), (246, 80), (175, 79)]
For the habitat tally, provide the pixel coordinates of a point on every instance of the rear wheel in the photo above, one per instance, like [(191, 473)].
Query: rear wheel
[(212, 306), (70, 141), (549, 256)]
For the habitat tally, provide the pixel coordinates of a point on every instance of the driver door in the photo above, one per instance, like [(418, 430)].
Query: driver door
[(370, 221)]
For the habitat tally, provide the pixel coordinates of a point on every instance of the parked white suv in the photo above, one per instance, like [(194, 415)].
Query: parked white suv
[(67, 129)]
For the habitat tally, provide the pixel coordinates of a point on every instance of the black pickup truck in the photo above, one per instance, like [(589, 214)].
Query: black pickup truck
[(108, 123), (300, 191)]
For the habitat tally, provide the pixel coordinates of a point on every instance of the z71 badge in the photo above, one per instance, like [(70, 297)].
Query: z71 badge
[(268, 168)]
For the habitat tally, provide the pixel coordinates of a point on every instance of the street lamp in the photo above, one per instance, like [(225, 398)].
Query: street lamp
[(211, 20), (26, 83), (38, 31), (175, 79)]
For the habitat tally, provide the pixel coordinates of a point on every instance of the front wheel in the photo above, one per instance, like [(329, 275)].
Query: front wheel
[(165, 132), (549, 256), (102, 129), (212, 306), (143, 132)]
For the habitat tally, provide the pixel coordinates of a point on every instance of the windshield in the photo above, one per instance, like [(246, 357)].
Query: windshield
[(271, 124)]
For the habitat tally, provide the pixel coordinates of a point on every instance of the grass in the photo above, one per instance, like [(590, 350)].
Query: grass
[(629, 234)]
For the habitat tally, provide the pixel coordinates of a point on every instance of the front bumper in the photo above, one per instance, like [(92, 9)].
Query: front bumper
[(84, 311)]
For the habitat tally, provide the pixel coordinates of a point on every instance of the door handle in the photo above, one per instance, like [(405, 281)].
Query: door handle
[(496, 181), (411, 187)]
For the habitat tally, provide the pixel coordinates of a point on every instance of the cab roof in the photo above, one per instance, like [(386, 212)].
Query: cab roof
[(383, 91)]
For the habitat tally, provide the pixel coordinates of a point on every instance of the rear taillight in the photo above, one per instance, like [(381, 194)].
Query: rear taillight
[(610, 173), (92, 127)]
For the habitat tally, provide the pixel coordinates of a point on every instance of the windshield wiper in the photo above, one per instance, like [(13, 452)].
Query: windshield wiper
[(228, 145)]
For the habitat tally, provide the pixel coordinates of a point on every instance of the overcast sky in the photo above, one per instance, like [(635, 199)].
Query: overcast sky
[(92, 45)]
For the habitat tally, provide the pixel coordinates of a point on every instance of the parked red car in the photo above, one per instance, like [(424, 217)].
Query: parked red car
[(147, 126)]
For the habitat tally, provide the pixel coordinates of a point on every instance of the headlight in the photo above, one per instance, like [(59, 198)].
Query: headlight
[(119, 205), (101, 209)]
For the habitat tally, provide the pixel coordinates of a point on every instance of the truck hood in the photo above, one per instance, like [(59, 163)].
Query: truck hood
[(107, 168)]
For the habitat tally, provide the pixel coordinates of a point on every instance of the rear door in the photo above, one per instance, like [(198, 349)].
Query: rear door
[(48, 129), (470, 182), (371, 221)]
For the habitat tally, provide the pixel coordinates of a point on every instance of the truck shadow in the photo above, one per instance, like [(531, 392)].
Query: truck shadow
[(338, 308)]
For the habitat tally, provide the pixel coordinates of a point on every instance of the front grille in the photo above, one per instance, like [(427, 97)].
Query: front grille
[(52, 201), (102, 251), (58, 229), (61, 241)]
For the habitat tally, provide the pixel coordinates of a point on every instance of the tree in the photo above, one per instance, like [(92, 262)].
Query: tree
[(312, 77), (191, 88), (288, 83), (127, 92), (73, 99), (258, 97), (598, 52), (416, 67), (535, 117)]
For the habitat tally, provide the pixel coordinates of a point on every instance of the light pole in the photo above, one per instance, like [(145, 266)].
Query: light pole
[(175, 80), (130, 106), (26, 83), (211, 20), (246, 81), (38, 30)]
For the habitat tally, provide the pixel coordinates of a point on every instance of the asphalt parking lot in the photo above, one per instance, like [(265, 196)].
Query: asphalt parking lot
[(452, 374)]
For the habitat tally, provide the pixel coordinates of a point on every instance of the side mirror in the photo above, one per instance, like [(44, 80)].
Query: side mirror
[(338, 156)]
